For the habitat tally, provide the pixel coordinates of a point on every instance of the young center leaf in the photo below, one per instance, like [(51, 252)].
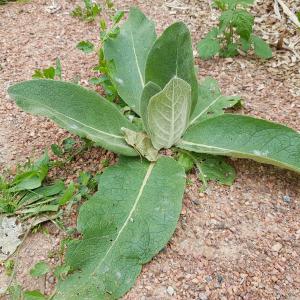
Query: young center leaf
[(127, 54), (245, 137), (149, 91), (168, 113), (123, 225), (80, 111), (172, 56), (210, 101)]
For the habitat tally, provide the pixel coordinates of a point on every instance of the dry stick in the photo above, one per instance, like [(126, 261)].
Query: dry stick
[(288, 12), (276, 9)]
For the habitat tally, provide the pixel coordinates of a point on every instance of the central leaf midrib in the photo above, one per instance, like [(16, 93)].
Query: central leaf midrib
[(137, 61), (244, 154), (148, 173), (76, 121)]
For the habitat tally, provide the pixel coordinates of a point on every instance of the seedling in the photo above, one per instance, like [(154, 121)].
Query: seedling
[(106, 32), (49, 73), (90, 11), (9, 267), (27, 196), (135, 212), (234, 33)]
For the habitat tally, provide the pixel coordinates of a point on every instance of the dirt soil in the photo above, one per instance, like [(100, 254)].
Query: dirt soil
[(238, 242)]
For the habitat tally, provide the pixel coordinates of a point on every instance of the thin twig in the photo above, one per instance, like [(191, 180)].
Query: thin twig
[(276, 9), (288, 12)]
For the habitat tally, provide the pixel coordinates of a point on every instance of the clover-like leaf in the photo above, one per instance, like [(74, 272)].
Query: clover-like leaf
[(172, 56), (80, 111), (123, 225), (168, 113), (211, 102), (245, 137), (127, 54)]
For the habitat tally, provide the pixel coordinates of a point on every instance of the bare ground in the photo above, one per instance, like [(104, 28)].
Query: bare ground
[(238, 242)]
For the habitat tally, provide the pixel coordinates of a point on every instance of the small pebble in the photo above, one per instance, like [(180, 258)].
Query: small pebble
[(220, 278), (286, 199), (170, 291), (51, 279), (203, 296), (276, 247)]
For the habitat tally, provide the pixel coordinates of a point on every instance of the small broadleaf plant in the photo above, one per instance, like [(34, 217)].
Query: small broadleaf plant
[(89, 12), (234, 33), (102, 77), (135, 212)]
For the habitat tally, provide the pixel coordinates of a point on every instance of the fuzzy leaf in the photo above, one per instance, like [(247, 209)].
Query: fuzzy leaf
[(149, 91), (76, 109), (124, 225), (171, 56), (141, 143), (211, 102), (168, 113), (245, 137), (127, 54), (261, 48)]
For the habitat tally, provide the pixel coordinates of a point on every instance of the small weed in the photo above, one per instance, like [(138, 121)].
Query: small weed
[(49, 73), (9, 267), (234, 33), (103, 78), (89, 13)]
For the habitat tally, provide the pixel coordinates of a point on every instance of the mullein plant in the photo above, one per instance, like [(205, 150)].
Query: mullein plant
[(135, 211)]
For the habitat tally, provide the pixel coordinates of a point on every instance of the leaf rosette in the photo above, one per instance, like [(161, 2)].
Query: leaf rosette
[(137, 207)]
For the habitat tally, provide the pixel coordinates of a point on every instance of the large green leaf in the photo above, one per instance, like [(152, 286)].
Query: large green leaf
[(172, 55), (127, 54), (124, 225), (168, 113), (245, 137), (76, 109), (210, 101)]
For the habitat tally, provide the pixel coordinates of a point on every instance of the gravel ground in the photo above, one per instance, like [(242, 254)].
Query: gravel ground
[(238, 242)]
